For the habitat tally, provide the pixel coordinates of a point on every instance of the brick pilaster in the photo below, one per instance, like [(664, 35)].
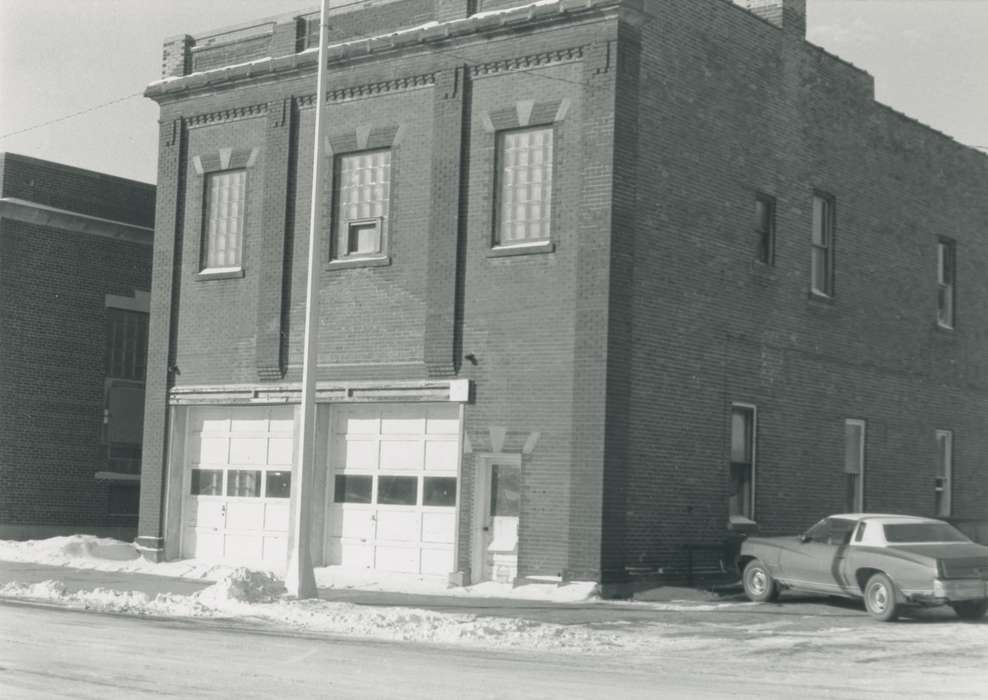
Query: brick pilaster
[(271, 261), (444, 229), (165, 289)]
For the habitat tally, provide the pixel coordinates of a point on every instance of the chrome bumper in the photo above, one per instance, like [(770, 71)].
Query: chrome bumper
[(960, 589)]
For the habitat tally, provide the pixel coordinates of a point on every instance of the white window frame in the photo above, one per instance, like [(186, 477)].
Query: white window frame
[(754, 449), (860, 485), (499, 185), (825, 248), (946, 487), (204, 262), (342, 225), (946, 282)]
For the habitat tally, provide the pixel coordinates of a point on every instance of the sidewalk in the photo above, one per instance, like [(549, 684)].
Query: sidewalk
[(588, 612)]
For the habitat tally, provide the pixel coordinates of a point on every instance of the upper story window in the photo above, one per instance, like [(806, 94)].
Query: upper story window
[(822, 255), (742, 495), (524, 186), (854, 465), (765, 227), (363, 193), (126, 344), (223, 220), (945, 468), (946, 258)]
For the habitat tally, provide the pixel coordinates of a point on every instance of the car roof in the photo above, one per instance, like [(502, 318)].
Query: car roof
[(884, 517)]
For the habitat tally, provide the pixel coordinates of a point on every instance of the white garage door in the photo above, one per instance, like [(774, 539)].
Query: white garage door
[(393, 489), (237, 483)]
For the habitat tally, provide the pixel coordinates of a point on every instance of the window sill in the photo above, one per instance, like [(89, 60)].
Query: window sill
[(820, 298), (521, 249), (943, 328), (225, 274), (346, 263)]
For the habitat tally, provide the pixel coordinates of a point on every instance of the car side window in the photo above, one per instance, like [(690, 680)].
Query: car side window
[(819, 532), (840, 531), (859, 535)]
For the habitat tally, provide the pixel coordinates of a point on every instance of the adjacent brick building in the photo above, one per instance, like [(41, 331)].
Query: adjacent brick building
[(600, 279), (75, 271)]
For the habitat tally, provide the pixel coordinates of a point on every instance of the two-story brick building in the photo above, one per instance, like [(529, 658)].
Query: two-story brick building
[(75, 270), (600, 277)]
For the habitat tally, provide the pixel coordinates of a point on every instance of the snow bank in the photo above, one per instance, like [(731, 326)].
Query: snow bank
[(105, 554), (237, 595)]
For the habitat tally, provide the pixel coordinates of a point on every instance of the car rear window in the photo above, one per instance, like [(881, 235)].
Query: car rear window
[(923, 532)]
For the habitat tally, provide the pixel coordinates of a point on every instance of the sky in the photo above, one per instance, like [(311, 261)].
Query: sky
[(61, 57)]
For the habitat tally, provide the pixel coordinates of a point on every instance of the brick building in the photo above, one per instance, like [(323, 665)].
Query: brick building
[(600, 278), (75, 271)]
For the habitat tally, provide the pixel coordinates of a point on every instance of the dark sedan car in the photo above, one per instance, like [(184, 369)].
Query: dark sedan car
[(891, 561)]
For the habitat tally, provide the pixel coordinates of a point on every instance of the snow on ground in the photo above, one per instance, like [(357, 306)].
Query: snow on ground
[(105, 554), (259, 596)]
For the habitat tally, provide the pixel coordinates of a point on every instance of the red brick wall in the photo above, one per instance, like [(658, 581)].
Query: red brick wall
[(729, 106), (53, 285)]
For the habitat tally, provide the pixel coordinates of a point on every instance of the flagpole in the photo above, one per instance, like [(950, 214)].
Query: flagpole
[(299, 577)]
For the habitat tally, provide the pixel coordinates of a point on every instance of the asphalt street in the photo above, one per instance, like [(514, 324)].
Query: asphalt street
[(806, 649)]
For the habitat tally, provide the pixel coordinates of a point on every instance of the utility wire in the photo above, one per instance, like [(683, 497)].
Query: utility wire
[(74, 114)]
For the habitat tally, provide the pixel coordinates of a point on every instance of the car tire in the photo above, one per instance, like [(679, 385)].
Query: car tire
[(758, 583), (881, 598), (970, 609)]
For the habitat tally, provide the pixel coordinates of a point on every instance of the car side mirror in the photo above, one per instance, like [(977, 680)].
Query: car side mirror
[(804, 538)]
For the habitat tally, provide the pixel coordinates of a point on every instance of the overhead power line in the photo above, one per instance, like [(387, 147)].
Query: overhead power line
[(73, 115)]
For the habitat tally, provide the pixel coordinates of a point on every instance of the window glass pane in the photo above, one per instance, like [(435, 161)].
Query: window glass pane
[(397, 490), (740, 501), (923, 532), (363, 191), (840, 531), (505, 490), (278, 484), (853, 436), (351, 488), (126, 343), (741, 434), (243, 483), (524, 185), (439, 491), (851, 492), (820, 270), (223, 218), (820, 221), (861, 531), (207, 482)]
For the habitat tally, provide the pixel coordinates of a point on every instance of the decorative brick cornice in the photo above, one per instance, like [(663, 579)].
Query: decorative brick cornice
[(538, 60), (227, 115), (372, 89)]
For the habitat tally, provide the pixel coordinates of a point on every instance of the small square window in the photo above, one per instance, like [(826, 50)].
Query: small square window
[(361, 204), (207, 482), (243, 483), (352, 488), (439, 491), (277, 484), (397, 490)]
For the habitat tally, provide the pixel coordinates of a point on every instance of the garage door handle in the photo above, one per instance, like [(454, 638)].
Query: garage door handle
[(485, 529)]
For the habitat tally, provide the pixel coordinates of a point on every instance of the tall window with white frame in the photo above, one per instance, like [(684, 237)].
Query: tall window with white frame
[(765, 227), (854, 465), (946, 259), (523, 209), (741, 501), (362, 203), (822, 251), (223, 220), (945, 468)]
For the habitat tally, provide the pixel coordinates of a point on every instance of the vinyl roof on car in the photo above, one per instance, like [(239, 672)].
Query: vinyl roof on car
[(877, 516)]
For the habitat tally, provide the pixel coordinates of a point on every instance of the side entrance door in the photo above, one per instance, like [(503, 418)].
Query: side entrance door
[(497, 516)]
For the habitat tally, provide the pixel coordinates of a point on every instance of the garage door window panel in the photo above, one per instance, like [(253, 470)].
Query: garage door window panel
[(397, 490), (243, 483), (439, 491), (207, 482), (277, 484), (352, 488)]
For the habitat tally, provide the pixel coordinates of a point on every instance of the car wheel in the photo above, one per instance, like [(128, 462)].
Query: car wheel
[(880, 598), (970, 609), (759, 585)]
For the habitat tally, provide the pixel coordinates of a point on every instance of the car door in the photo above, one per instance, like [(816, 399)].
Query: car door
[(814, 562)]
